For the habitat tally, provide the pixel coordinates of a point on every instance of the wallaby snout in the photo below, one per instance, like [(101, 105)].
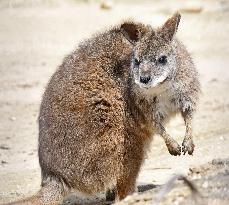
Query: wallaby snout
[(145, 79)]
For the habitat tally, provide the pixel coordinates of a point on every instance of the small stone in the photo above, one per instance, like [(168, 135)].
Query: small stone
[(13, 118), (222, 138), (4, 162), (107, 4), (214, 80), (5, 147), (191, 7), (205, 184)]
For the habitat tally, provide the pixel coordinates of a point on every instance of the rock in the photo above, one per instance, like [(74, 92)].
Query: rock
[(193, 191), (224, 5), (107, 4), (191, 7), (222, 138), (4, 162), (205, 184), (13, 118), (5, 147)]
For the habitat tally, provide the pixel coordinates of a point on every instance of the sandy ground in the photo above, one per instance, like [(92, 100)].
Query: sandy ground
[(35, 38)]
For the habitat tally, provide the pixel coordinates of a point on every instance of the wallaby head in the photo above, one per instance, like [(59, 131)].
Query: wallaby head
[(154, 56)]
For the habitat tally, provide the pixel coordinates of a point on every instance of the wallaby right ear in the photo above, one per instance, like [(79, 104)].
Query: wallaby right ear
[(170, 27), (132, 31)]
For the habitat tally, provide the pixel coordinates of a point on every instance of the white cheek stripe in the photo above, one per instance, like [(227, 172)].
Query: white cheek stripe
[(160, 79)]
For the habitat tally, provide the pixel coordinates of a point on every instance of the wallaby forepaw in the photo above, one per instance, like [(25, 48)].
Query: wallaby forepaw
[(173, 147), (188, 146)]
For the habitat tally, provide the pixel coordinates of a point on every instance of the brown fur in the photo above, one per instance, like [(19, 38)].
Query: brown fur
[(84, 143)]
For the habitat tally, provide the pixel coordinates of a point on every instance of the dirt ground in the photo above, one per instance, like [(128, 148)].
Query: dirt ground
[(34, 38)]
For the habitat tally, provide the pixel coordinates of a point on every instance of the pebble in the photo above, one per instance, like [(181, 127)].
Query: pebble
[(191, 7), (13, 118), (107, 4), (5, 147), (205, 184), (222, 138), (4, 162)]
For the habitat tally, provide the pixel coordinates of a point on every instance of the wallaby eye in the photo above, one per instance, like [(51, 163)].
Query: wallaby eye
[(136, 62), (162, 60)]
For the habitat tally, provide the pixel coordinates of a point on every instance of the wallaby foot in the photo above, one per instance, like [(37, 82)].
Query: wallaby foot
[(188, 146), (110, 195), (173, 147), (52, 192)]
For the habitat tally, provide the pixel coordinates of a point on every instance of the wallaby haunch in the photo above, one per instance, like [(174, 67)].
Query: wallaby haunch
[(103, 105)]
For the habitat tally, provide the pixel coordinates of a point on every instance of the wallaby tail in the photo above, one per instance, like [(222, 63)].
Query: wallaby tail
[(35, 200), (51, 193)]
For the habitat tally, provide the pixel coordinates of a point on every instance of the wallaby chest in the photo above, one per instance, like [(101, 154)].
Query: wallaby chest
[(164, 107)]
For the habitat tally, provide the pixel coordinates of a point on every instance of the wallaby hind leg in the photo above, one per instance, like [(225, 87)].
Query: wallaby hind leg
[(125, 187), (126, 183)]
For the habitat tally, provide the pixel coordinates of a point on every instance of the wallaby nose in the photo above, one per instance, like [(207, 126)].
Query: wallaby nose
[(145, 79)]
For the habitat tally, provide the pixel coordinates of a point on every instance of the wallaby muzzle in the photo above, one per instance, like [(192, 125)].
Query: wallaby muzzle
[(145, 79)]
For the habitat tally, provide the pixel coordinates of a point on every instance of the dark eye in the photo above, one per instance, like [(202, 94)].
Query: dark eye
[(162, 60), (136, 62)]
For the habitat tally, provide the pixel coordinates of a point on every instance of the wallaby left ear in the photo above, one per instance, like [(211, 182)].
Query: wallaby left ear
[(133, 31), (170, 27)]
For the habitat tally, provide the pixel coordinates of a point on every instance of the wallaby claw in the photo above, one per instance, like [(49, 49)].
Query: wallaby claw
[(188, 146), (173, 147)]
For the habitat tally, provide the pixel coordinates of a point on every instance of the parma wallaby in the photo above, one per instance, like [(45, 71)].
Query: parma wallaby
[(103, 105)]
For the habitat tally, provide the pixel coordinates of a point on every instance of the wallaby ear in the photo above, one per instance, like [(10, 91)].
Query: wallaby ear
[(132, 31), (170, 27)]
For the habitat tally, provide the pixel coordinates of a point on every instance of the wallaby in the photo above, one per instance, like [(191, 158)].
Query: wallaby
[(103, 105)]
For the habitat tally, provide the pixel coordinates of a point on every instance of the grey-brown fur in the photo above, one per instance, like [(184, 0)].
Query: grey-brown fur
[(167, 88), (95, 122)]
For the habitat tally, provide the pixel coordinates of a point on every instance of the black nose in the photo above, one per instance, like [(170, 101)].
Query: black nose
[(145, 79)]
